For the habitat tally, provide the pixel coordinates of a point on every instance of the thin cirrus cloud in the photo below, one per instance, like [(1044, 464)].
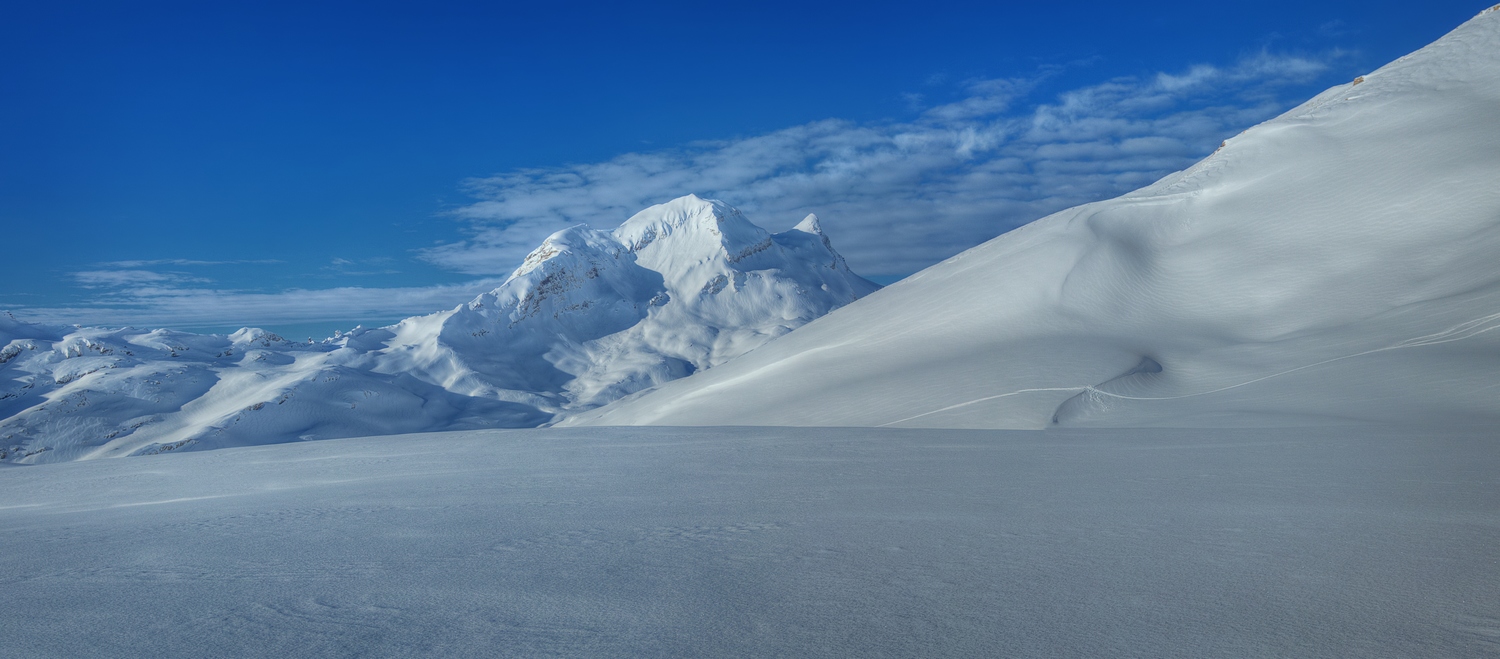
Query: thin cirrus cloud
[(901, 196), (897, 196), (124, 278), (188, 262), (179, 306)]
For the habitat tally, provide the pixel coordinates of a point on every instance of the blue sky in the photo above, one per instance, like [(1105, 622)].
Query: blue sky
[(311, 166)]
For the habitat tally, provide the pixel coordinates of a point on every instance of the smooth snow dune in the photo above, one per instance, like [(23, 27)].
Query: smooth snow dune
[(765, 542), (1340, 263)]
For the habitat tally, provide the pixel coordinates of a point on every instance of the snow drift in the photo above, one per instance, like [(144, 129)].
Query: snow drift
[(1340, 263), (590, 316)]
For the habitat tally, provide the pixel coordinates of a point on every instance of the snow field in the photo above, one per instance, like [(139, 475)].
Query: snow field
[(766, 542)]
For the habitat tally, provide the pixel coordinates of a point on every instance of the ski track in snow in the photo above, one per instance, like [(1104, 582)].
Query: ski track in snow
[(1007, 394), (1459, 332)]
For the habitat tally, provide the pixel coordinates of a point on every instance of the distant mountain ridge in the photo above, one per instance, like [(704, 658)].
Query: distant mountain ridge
[(588, 317)]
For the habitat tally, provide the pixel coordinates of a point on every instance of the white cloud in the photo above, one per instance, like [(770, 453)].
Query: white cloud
[(172, 299), (186, 262), (157, 306), (896, 196), (986, 98), (900, 196), (117, 278)]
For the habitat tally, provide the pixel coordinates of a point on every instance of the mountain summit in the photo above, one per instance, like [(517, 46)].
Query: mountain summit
[(592, 316), (588, 317)]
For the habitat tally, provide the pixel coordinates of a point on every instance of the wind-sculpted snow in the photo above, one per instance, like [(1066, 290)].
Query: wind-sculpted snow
[(588, 317), (1340, 263)]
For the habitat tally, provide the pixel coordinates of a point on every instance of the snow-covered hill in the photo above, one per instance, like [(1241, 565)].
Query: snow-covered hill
[(1340, 263), (589, 317)]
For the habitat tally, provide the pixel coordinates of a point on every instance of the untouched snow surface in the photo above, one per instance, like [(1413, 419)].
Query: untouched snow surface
[(766, 542), (1338, 264), (589, 317)]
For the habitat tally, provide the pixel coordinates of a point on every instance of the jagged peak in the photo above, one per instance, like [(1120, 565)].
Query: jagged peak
[(810, 232), (810, 225)]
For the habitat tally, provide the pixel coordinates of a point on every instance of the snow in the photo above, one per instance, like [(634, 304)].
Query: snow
[(1331, 270), (1334, 265), (766, 542), (588, 317)]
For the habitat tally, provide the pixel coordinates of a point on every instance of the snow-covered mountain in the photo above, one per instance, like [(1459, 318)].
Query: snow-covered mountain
[(590, 316), (1340, 263)]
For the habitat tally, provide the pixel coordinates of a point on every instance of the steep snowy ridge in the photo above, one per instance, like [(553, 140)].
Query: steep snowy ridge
[(588, 317), (1337, 264), (591, 316)]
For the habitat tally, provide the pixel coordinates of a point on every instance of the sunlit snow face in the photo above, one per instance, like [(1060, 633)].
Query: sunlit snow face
[(589, 317)]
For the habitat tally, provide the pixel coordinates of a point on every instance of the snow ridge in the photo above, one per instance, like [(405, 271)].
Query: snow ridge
[(588, 317)]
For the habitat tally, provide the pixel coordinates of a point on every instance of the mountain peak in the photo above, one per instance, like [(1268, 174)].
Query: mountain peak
[(680, 214), (689, 230), (809, 224), (579, 237)]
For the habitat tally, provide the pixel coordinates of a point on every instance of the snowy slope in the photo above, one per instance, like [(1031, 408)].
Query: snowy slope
[(588, 317), (1340, 263), (73, 393)]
